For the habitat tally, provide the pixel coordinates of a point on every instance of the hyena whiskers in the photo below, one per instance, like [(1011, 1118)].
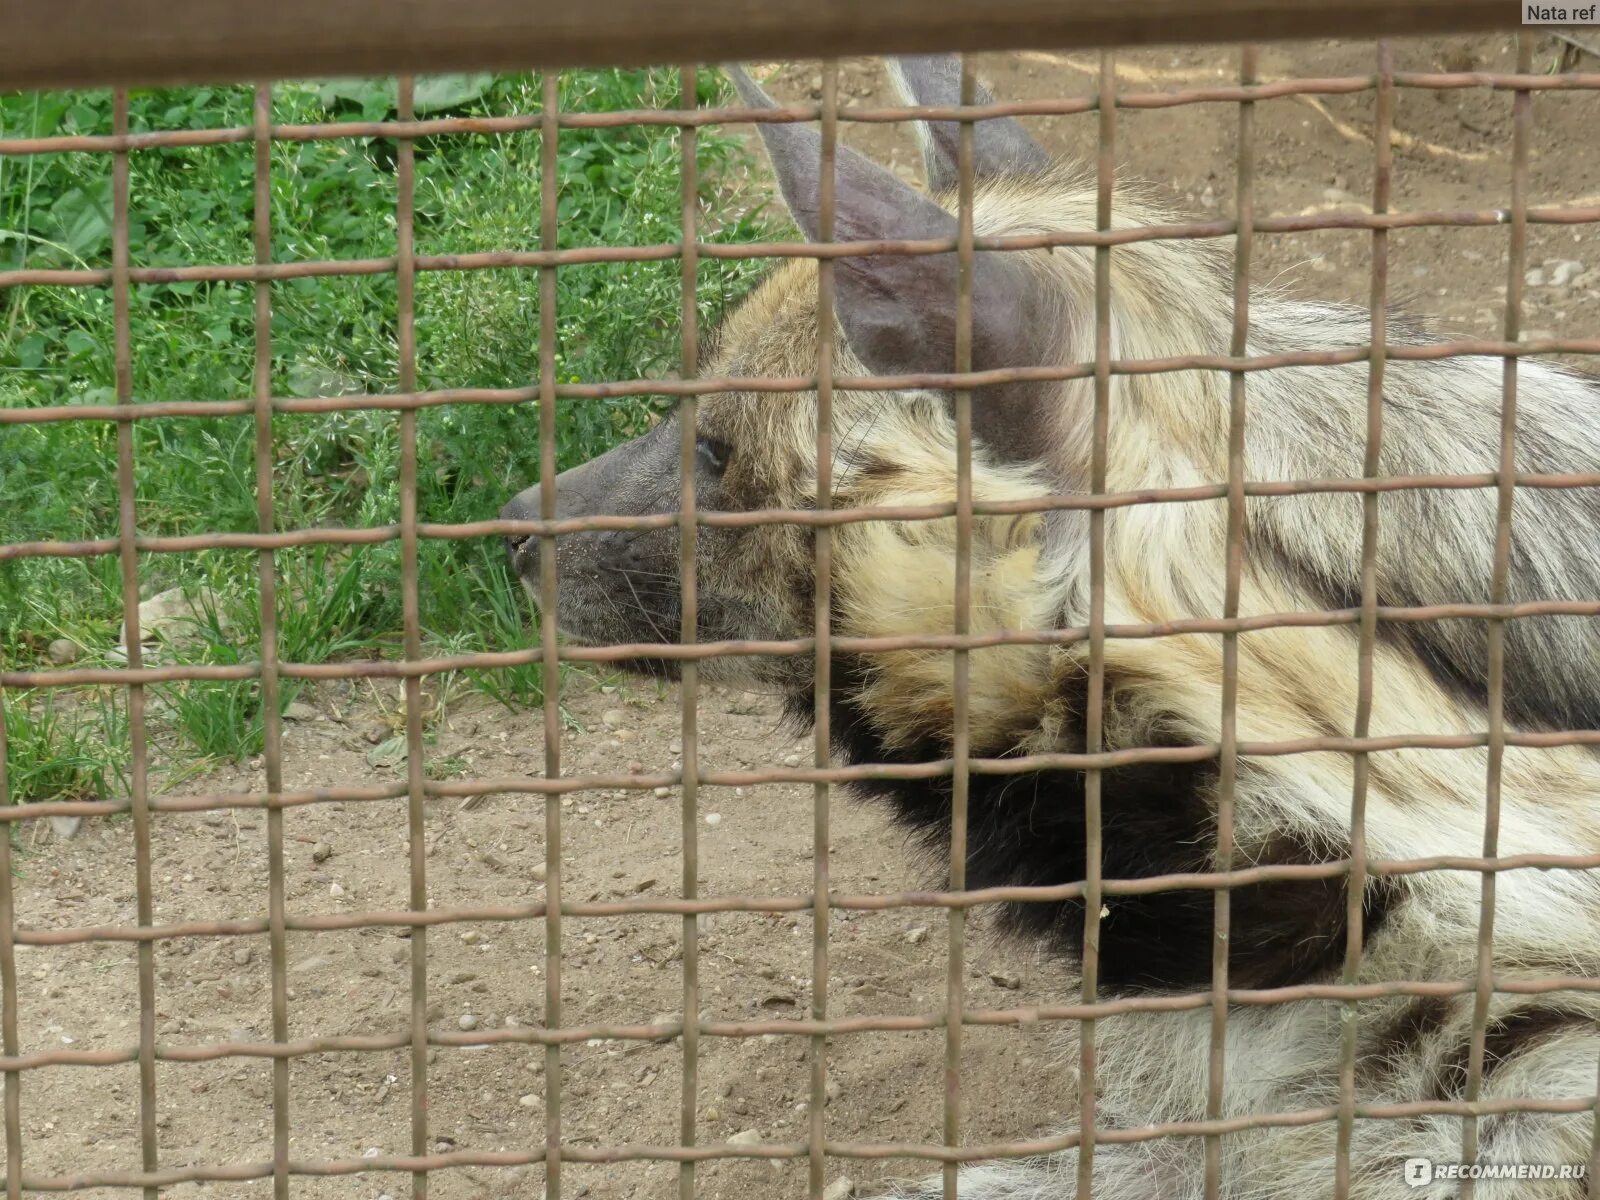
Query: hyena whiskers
[(1165, 562)]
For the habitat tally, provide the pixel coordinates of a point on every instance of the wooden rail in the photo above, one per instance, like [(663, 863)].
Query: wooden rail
[(57, 43)]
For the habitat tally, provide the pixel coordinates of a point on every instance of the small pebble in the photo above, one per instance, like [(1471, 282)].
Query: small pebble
[(531, 1100), (1005, 979), (321, 852), (713, 818), (712, 1114), (538, 871), (66, 828), (63, 651), (840, 1189), (661, 793), (614, 717), (468, 1021), (745, 1137), (1563, 272), (242, 956), (918, 935), (335, 890), (791, 760)]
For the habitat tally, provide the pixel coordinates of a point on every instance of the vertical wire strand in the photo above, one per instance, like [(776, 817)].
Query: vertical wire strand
[(416, 781), (955, 979), (822, 603), (1355, 888), (1105, 174), (9, 1032), (271, 718), (550, 665), (1228, 765), (1593, 1173), (689, 693), (128, 553), (1516, 262), (8, 973), (8, 978)]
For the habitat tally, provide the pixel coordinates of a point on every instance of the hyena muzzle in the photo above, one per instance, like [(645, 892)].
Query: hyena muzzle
[(896, 314)]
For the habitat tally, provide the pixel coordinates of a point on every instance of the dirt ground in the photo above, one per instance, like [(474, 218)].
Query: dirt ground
[(1452, 153)]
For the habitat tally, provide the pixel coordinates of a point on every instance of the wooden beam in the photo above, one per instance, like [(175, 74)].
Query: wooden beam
[(59, 43)]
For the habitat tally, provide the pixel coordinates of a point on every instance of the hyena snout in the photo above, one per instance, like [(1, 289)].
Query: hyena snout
[(575, 497), (613, 584)]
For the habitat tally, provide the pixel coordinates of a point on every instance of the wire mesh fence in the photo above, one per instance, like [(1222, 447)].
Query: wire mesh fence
[(818, 1029)]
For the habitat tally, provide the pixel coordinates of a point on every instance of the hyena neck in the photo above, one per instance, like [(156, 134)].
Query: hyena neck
[(1028, 829)]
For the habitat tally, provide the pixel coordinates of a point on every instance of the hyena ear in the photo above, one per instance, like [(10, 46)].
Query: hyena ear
[(1000, 146), (898, 311)]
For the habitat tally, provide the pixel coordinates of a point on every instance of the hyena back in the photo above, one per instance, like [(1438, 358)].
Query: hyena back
[(896, 314)]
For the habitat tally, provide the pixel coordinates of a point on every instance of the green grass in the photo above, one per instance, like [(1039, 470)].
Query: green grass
[(331, 200), (66, 749)]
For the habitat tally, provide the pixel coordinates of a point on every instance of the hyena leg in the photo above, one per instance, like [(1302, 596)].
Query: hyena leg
[(1153, 1170)]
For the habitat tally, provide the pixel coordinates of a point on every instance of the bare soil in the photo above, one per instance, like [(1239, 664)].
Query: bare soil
[(1452, 152)]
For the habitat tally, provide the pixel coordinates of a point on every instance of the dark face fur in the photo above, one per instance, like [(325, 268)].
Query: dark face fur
[(622, 586)]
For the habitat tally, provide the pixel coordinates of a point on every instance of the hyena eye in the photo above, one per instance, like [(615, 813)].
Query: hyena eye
[(713, 453)]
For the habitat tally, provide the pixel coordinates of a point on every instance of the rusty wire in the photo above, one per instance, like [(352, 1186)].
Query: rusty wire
[(1360, 868), (783, 113), (272, 720), (582, 255), (688, 634), (1233, 574), (956, 899), (822, 606), (1516, 262)]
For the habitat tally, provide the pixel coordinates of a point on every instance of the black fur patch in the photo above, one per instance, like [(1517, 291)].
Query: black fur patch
[(1028, 830), (1504, 1039), (1397, 1039)]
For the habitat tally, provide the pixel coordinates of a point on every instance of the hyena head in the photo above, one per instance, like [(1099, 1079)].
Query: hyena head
[(894, 314)]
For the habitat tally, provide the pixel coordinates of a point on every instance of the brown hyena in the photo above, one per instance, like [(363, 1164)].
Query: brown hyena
[(896, 314)]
